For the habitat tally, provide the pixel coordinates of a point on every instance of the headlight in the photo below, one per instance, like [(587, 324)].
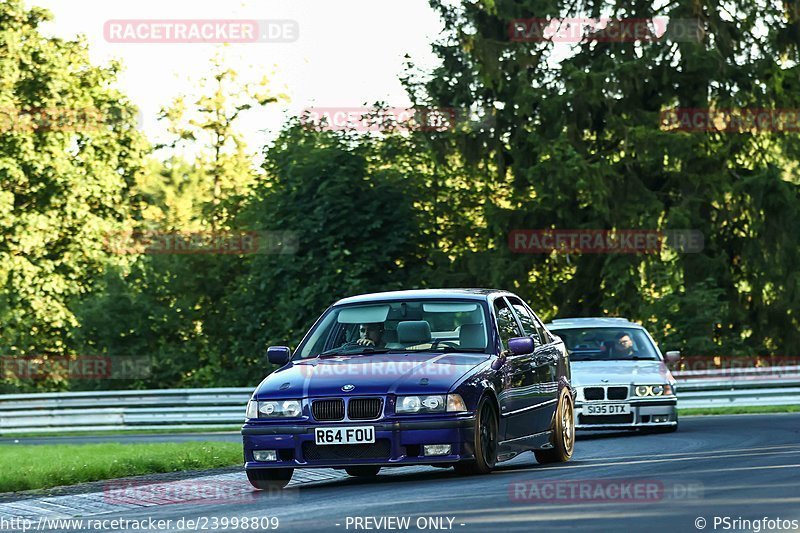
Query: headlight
[(653, 390), (279, 409), (436, 403), (455, 403), (252, 409)]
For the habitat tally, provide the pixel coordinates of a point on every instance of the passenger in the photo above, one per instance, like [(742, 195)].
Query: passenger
[(370, 334), (623, 345)]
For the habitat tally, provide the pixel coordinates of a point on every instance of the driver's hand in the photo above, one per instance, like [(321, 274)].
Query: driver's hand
[(365, 342)]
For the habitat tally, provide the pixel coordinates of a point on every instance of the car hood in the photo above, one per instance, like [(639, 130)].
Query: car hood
[(396, 373), (619, 373)]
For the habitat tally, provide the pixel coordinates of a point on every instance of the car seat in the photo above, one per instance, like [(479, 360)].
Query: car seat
[(472, 336)]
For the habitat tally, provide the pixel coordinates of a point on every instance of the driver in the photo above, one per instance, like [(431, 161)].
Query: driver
[(623, 345), (370, 334)]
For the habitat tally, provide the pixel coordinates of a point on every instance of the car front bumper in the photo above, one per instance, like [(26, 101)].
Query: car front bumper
[(397, 443), (642, 415)]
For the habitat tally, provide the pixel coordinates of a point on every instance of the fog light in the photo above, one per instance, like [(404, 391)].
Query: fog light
[(436, 449), (660, 418), (265, 455)]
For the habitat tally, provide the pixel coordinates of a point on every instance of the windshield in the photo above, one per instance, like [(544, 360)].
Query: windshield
[(607, 344), (399, 327)]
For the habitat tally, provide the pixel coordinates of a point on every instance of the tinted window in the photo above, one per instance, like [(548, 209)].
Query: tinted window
[(543, 333), (589, 344), (527, 320), (506, 322), (400, 326)]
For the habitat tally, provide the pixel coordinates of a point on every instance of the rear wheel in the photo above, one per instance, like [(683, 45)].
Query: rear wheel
[(484, 441), (563, 432), (363, 471), (270, 478)]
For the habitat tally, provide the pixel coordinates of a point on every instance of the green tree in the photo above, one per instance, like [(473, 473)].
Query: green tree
[(578, 143), (352, 210), (174, 302), (69, 153)]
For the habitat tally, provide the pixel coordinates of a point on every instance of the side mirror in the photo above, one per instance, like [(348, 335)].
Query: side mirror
[(278, 355), (673, 356), (521, 345)]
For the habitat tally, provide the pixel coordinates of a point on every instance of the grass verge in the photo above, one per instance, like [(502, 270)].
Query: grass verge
[(40, 467), (741, 410)]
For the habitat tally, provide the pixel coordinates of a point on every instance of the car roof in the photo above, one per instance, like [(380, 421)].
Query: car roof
[(592, 322), (423, 294)]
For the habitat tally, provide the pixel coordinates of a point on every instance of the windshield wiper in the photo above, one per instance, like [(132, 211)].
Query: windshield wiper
[(448, 349), (362, 350)]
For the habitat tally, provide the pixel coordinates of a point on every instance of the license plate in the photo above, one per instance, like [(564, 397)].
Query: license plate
[(345, 435), (607, 409)]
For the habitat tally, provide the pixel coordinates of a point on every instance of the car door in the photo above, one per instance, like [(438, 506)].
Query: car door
[(519, 397), (543, 368)]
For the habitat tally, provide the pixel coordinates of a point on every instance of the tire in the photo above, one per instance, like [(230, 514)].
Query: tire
[(270, 478), (363, 471), (563, 432), (484, 441)]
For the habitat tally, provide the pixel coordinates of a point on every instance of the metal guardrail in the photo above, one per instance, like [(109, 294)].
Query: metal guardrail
[(116, 410), (738, 387), (224, 407)]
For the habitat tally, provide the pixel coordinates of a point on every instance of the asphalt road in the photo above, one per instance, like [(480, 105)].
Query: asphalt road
[(740, 467)]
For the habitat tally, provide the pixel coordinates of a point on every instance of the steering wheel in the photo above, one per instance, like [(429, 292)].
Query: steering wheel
[(353, 344)]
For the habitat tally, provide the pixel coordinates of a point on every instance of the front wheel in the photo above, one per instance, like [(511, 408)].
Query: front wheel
[(363, 471), (270, 478), (563, 432), (484, 441)]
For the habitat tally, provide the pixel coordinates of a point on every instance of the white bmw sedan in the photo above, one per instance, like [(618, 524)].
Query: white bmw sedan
[(621, 377)]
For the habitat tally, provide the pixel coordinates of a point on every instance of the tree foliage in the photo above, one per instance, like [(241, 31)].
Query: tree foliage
[(552, 137), (69, 153)]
